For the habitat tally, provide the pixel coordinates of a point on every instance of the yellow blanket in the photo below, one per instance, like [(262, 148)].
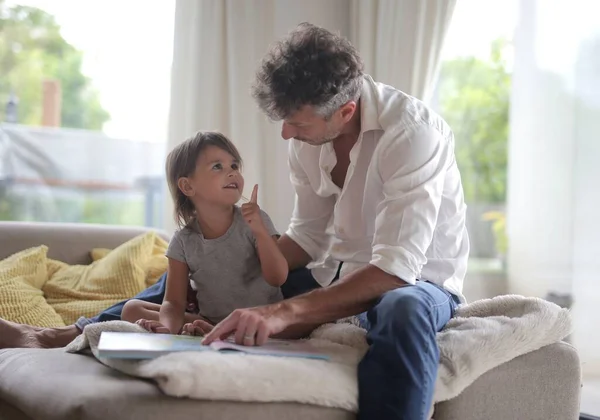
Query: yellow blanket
[(37, 290)]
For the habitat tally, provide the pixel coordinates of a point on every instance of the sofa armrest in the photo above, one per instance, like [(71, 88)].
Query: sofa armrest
[(541, 385), (67, 242)]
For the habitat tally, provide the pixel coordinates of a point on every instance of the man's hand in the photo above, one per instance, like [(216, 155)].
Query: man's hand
[(251, 213), (251, 326), (153, 326)]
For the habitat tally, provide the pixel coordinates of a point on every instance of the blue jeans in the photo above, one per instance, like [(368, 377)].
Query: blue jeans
[(396, 377), (153, 294)]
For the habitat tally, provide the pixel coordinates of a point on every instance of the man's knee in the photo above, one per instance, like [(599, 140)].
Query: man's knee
[(401, 308)]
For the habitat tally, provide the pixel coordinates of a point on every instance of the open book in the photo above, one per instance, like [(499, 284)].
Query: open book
[(130, 345)]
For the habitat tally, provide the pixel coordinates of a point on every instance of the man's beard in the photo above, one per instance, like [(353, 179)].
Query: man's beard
[(330, 136)]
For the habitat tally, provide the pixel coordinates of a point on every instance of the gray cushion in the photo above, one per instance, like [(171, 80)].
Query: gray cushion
[(70, 243), (54, 385)]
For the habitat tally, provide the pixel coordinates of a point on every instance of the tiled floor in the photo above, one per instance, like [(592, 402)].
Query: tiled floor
[(590, 396)]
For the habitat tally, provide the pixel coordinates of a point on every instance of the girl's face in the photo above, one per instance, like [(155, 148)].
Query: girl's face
[(216, 179)]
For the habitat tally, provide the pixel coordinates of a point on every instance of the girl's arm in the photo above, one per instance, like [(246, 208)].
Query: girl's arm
[(172, 310), (273, 263)]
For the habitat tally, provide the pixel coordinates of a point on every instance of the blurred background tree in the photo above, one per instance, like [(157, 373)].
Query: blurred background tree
[(474, 99), (32, 49)]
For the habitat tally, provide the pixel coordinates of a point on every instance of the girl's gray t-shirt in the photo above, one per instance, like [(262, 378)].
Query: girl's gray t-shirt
[(226, 271)]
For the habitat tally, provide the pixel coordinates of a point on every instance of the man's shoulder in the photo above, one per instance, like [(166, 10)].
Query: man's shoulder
[(397, 110)]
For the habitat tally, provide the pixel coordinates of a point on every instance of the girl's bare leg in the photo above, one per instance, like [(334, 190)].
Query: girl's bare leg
[(134, 310)]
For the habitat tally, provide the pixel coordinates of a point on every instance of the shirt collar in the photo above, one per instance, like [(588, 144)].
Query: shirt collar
[(369, 117), (369, 114)]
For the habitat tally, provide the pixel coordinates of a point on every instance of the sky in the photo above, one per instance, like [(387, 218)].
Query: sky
[(127, 47)]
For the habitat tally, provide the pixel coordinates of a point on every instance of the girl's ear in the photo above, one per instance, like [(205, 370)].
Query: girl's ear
[(185, 187)]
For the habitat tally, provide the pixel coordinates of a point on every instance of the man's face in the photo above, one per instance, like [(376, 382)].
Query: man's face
[(307, 126)]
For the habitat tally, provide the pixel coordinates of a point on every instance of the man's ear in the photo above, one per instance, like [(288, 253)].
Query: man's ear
[(185, 186), (347, 111)]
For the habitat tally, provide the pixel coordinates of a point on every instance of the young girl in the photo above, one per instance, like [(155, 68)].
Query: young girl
[(229, 252)]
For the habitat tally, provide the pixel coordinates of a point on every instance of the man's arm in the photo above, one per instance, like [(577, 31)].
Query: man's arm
[(298, 317), (353, 294)]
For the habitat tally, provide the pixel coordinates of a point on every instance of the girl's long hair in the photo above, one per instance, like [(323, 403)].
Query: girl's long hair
[(181, 162)]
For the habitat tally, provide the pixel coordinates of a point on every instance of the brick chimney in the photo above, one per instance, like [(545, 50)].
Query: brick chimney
[(51, 103)]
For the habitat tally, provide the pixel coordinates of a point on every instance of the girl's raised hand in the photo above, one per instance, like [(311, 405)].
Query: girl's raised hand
[(251, 213)]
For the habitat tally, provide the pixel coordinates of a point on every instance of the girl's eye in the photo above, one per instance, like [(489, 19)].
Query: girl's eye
[(235, 166), (217, 167)]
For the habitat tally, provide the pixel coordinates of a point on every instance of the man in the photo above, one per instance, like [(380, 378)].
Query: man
[(379, 205), (377, 191)]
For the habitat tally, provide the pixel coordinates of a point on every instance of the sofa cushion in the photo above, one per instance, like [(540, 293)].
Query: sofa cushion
[(540, 385), (85, 290), (67, 242), (155, 266), (22, 277), (40, 291), (52, 385)]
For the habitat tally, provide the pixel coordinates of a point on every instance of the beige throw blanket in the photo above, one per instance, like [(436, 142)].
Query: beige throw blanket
[(482, 336)]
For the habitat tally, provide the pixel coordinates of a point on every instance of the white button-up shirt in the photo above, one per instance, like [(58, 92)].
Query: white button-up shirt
[(401, 207)]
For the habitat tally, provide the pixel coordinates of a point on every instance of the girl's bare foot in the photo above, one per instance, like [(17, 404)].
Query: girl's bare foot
[(13, 335)]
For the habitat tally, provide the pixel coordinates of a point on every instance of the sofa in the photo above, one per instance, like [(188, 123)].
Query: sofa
[(52, 384)]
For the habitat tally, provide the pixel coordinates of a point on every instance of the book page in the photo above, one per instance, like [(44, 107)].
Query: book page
[(274, 347)]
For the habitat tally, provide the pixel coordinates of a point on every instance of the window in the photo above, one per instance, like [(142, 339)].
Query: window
[(473, 96), (84, 110), (523, 98)]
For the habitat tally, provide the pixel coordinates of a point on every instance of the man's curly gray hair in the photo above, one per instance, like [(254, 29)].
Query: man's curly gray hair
[(311, 66)]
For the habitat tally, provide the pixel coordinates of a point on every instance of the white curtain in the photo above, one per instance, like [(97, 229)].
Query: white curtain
[(217, 46), (219, 43), (400, 41), (553, 193)]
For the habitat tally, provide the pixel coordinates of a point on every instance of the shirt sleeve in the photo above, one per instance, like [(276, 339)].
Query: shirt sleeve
[(268, 224), (413, 169), (175, 249), (311, 214)]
